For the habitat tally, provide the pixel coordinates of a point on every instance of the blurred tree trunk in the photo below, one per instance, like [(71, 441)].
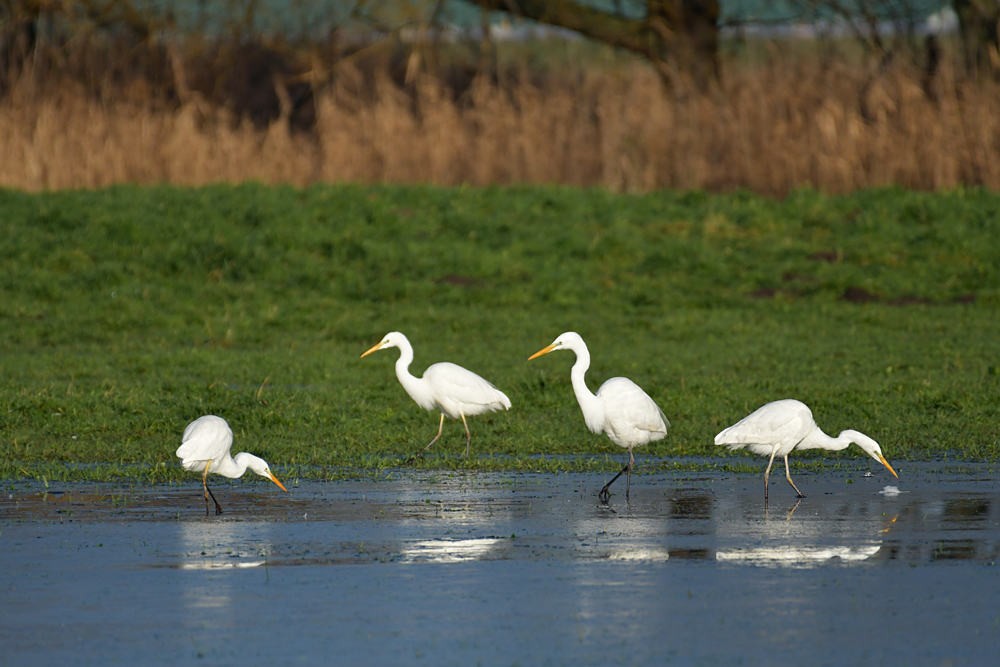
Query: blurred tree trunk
[(978, 21), (679, 37)]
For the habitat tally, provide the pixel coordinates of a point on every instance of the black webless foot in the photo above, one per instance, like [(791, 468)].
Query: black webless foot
[(605, 493), (218, 509)]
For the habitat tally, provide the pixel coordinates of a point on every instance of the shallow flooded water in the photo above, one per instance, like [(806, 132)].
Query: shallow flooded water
[(526, 569)]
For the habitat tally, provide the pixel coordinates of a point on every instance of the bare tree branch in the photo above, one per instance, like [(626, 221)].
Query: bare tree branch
[(676, 36)]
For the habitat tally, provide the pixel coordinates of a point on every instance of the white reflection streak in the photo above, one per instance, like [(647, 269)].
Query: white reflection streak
[(640, 553), (216, 565), (450, 551), (797, 556), (828, 532), (224, 545), (213, 545)]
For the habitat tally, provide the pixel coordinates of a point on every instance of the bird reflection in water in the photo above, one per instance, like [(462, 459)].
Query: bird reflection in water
[(451, 551), (798, 552), (216, 546)]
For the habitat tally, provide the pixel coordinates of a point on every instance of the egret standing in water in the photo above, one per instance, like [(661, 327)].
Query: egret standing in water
[(781, 426), (626, 414), (205, 447), (454, 391)]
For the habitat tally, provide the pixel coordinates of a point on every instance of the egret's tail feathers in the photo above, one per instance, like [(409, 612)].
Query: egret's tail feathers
[(492, 404), (731, 445), (666, 422), (493, 400), (731, 440), (754, 447), (185, 450), (193, 465), (735, 437)]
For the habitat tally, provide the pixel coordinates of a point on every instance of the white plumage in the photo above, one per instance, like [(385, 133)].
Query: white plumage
[(777, 428), (621, 409), (455, 391), (205, 448)]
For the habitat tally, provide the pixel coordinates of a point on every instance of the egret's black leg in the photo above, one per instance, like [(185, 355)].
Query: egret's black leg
[(604, 495), (218, 509), (628, 479)]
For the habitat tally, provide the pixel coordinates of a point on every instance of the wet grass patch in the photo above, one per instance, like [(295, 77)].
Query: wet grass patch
[(129, 312)]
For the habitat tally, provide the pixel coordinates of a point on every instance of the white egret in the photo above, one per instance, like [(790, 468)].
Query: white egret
[(205, 447), (626, 414), (781, 426), (453, 390)]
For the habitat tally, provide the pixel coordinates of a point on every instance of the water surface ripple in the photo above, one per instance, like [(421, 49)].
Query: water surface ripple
[(459, 569)]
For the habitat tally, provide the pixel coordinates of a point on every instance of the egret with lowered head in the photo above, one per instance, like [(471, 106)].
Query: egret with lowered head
[(781, 426), (453, 390), (205, 447), (626, 414)]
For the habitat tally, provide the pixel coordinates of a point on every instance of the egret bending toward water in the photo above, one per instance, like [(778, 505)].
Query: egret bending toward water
[(454, 391), (620, 408), (781, 426), (205, 446)]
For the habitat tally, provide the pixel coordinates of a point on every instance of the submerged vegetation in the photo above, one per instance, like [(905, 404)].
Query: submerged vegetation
[(128, 312)]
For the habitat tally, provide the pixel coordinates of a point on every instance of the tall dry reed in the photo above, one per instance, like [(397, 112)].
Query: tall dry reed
[(769, 130)]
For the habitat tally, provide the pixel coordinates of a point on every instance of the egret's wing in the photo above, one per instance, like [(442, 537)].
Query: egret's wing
[(627, 407), (777, 424), (205, 439), (456, 386)]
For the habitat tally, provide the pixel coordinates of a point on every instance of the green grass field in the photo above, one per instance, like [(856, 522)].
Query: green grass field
[(128, 312)]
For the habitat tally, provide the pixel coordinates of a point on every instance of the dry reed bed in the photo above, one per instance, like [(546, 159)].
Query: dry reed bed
[(768, 130)]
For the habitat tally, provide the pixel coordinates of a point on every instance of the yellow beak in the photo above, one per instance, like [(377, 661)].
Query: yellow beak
[(376, 348), (545, 350), (886, 464), (275, 480)]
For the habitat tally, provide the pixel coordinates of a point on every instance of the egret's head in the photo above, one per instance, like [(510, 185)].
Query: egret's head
[(259, 466), (392, 339), (869, 445), (566, 341)]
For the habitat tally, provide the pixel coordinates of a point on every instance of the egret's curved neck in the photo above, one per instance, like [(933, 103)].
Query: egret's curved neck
[(819, 440), (414, 386), (404, 361), (593, 409), (233, 467)]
